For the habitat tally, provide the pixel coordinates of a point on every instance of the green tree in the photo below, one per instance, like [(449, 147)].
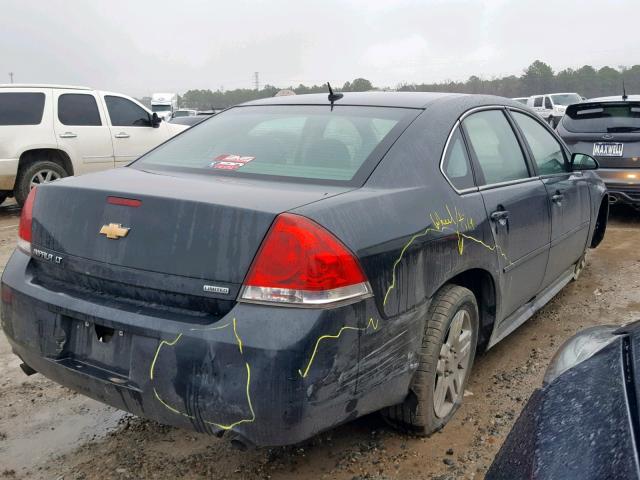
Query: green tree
[(537, 78)]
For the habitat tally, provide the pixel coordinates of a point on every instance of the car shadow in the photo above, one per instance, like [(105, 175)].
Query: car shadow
[(624, 215)]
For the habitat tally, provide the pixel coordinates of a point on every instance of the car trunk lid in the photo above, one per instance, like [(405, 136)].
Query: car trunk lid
[(187, 228)]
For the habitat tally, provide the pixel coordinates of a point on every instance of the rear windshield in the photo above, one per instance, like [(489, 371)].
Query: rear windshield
[(309, 142), (21, 108), (603, 118), (160, 108)]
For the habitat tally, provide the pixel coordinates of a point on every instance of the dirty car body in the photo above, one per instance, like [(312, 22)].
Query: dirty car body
[(583, 422), (165, 313)]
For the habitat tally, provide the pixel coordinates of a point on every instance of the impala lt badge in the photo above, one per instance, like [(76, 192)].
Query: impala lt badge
[(114, 231)]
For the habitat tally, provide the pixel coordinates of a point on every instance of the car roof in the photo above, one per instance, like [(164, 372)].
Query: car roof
[(371, 99), (616, 98), (42, 85)]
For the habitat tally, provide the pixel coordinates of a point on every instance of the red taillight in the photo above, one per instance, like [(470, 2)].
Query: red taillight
[(301, 262), (26, 219)]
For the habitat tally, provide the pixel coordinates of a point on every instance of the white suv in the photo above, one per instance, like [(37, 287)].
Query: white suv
[(50, 131), (552, 106)]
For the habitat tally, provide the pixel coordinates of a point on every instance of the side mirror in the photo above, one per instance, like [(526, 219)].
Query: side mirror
[(581, 161), (155, 120)]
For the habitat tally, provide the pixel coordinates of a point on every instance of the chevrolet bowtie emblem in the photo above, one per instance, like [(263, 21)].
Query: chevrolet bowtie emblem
[(114, 231)]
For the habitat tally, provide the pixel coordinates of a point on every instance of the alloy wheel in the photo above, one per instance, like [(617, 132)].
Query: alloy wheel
[(453, 365), (43, 176)]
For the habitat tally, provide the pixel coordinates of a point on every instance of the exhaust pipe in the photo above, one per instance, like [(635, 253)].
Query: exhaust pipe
[(613, 199)]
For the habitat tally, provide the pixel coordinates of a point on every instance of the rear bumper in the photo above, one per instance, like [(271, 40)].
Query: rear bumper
[(272, 375), (8, 172), (623, 184)]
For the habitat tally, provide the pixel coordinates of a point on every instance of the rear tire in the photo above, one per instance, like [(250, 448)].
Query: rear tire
[(445, 361), (36, 173)]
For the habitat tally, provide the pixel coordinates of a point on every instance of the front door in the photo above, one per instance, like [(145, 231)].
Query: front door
[(568, 196), (516, 204), (82, 131), (131, 129)]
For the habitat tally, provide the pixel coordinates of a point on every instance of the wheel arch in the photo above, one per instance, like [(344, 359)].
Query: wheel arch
[(56, 155), (483, 285), (601, 222)]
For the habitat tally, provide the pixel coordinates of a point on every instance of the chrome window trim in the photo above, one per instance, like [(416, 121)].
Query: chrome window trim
[(508, 183), (488, 186), (444, 154)]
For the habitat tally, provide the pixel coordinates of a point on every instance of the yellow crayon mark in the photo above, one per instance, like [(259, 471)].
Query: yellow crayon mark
[(204, 329), (372, 323), (235, 332), (248, 383), (453, 223), (155, 357)]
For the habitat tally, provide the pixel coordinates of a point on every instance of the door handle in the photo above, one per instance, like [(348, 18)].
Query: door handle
[(122, 135), (499, 215), (557, 198), (68, 135)]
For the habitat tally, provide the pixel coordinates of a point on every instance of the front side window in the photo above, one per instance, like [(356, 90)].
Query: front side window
[(21, 108), (547, 151), (78, 109), (125, 113), (537, 102), (295, 141), (496, 147), (547, 103), (456, 164)]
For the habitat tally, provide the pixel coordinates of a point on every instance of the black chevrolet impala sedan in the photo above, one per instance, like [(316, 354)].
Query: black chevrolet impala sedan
[(296, 262)]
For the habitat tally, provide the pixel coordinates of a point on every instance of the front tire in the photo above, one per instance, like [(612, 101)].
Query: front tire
[(445, 361), (36, 173)]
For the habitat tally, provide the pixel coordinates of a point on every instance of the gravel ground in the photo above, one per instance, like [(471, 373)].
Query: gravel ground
[(49, 432)]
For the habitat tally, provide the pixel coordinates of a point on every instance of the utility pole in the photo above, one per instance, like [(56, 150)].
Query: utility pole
[(256, 80), (10, 77)]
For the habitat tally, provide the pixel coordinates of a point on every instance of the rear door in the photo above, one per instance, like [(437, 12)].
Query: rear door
[(516, 203), (568, 195), (81, 130), (131, 129)]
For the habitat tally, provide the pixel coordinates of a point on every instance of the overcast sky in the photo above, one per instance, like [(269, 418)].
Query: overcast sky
[(139, 47)]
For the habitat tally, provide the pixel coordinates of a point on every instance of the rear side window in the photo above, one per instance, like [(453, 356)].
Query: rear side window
[(21, 108), (537, 102), (125, 113), (495, 146), (603, 118), (78, 110), (547, 152), (547, 103), (297, 141), (456, 164)]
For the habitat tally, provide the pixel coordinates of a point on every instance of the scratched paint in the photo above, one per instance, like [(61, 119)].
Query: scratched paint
[(455, 222), (372, 323), (171, 408)]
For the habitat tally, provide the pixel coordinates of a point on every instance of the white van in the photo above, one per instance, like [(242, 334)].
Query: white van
[(51, 131), (551, 106)]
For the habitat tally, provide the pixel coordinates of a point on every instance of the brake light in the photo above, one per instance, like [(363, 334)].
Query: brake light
[(300, 262), (26, 219)]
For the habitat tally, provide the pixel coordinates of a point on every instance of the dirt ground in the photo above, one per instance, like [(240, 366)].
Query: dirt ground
[(47, 431)]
